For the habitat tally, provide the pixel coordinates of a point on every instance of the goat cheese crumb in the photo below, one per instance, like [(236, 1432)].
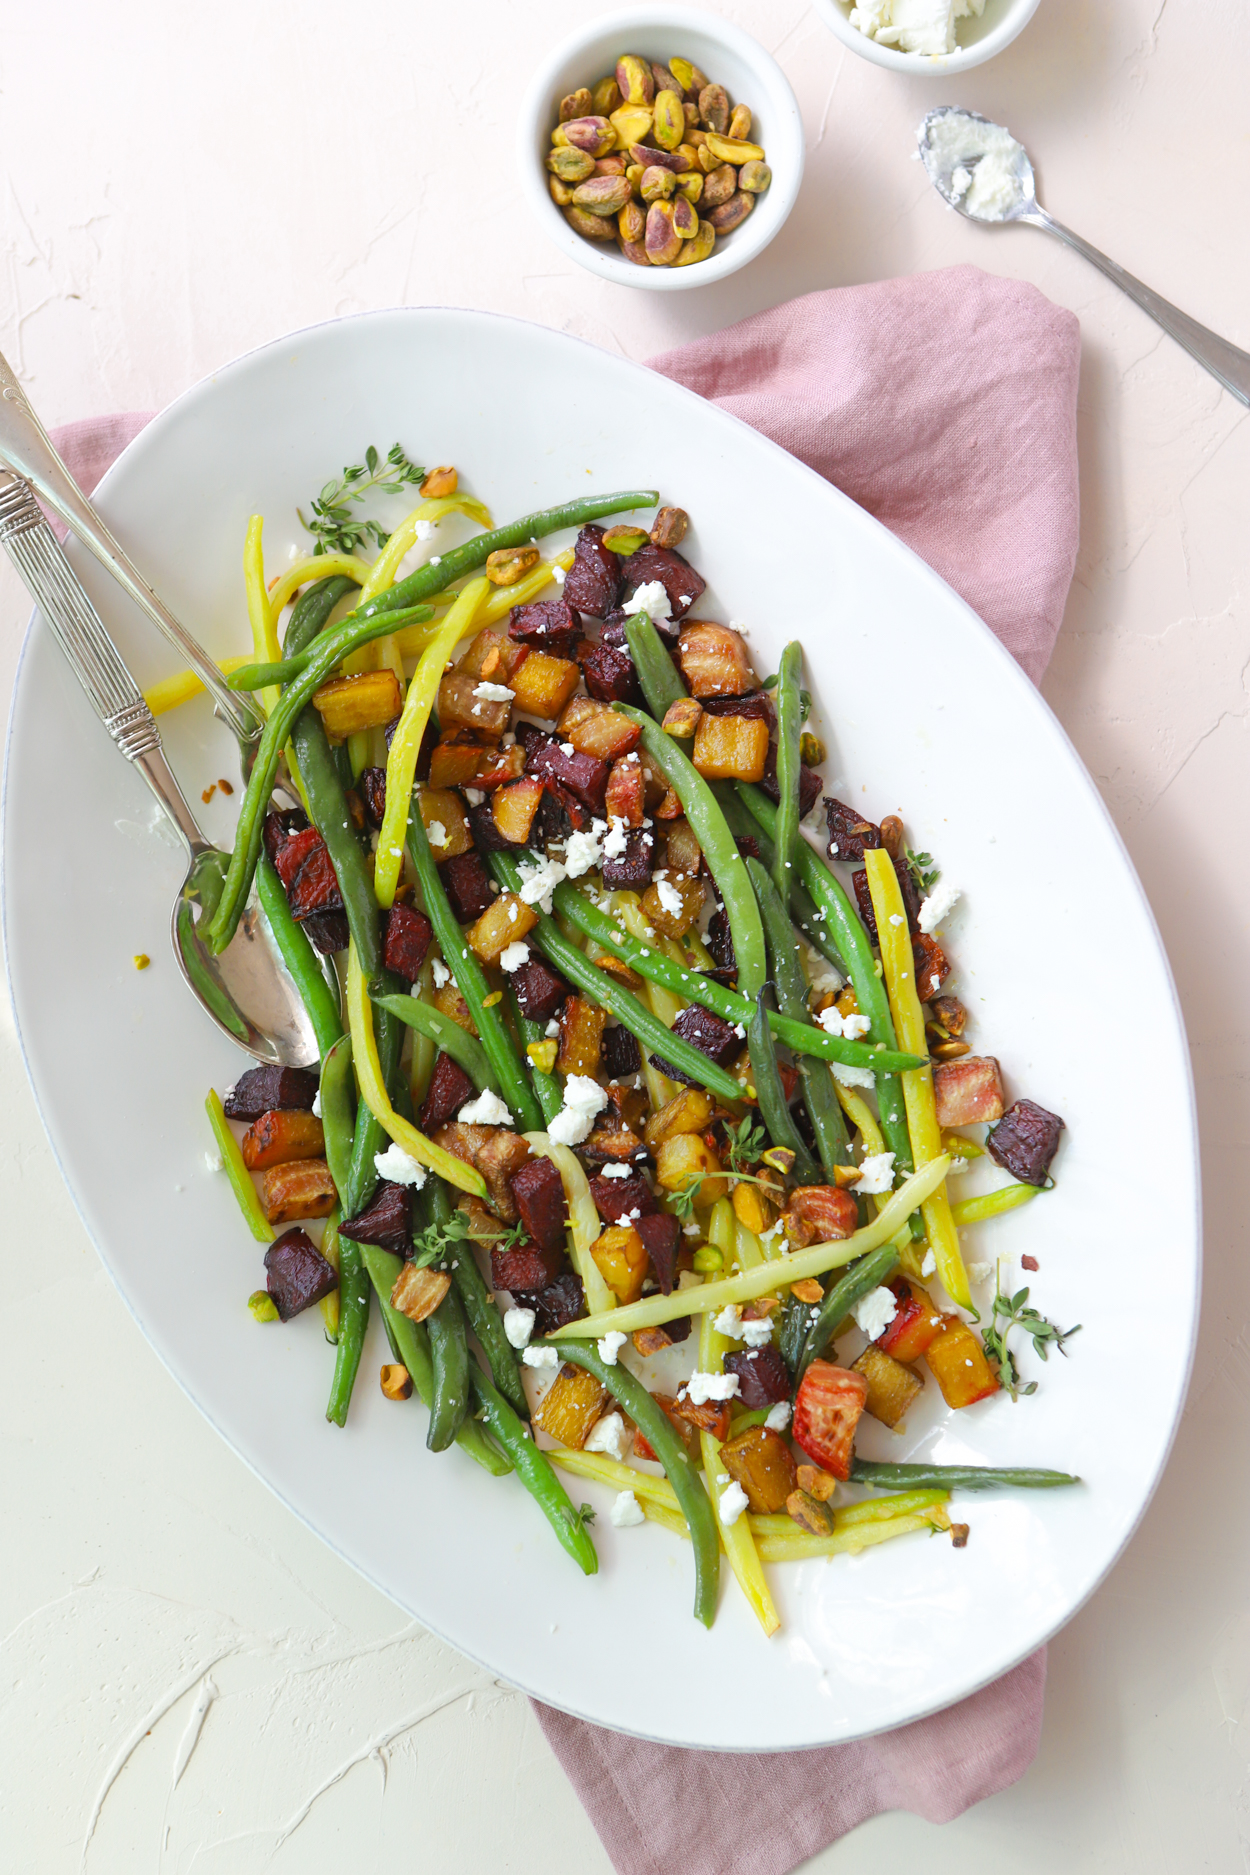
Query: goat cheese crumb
[(610, 1346), (626, 1512), (399, 1167), (704, 1387), (733, 1501), (426, 530), (566, 748), (614, 839), (896, 917), (582, 851), (437, 833), (475, 796), (609, 1435), (493, 693), (651, 599), (876, 1173), (514, 955), (980, 1272), (559, 575), (552, 1030), (441, 973), (541, 1357), (670, 898), (316, 1106), (583, 1099), (518, 1326), (853, 1077), (539, 881), (486, 1110), (939, 904), (875, 1311), (929, 1266), (779, 1417), (615, 1171), (213, 1162), (849, 1028)]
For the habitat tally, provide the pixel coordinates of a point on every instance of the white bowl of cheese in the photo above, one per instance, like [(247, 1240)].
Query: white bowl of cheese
[(927, 37)]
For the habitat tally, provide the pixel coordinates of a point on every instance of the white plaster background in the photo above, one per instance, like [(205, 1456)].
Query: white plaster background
[(181, 184)]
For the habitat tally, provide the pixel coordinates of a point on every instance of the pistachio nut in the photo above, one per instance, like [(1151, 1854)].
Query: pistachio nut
[(730, 214), (691, 79), (685, 218), (635, 251), (670, 528), (811, 749), (754, 178), (633, 75), (691, 113), (597, 136), (606, 97), (656, 183), (559, 138), (665, 79), (706, 161), (594, 227), (699, 248), (631, 223), (631, 122), (506, 565), (561, 194), (689, 158), (668, 120), (691, 185), (577, 104), (602, 195), (729, 149), (740, 121), (666, 159), (440, 483), (611, 166), (664, 243), (695, 138), (633, 175), (571, 165), (720, 185), (625, 539), (681, 719), (714, 108)]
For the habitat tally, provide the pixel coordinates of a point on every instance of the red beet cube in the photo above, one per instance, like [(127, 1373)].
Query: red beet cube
[(560, 1303), (408, 936), (449, 1088), (293, 851), (1025, 1141), (763, 1377), (593, 582), (549, 625), (386, 1220), (372, 786), (528, 1266), (271, 1090), (609, 673), (315, 886), (584, 776), (467, 885), (620, 1054), (710, 1034), (539, 991), (678, 578), (538, 1191), (296, 1273), (616, 1198), (631, 870), (661, 1236)]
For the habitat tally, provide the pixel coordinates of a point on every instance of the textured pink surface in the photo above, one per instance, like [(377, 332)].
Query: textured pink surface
[(944, 404)]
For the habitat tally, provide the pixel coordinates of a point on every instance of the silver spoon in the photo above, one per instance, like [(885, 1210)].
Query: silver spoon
[(956, 144), (246, 991)]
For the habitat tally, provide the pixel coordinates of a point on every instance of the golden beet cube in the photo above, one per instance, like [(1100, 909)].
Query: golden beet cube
[(299, 1190), (346, 705), (687, 1112), (685, 1158), (731, 748), (445, 821), (714, 662), (673, 903), (417, 1293), (621, 1259), (570, 1407), (581, 1036), (958, 1364), (891, 1386), (277, 1138), (449, 1002), (460, 706), (543, 684), (502, 923), (763, 1464), (596, 729), (513, 808), (454, 761)]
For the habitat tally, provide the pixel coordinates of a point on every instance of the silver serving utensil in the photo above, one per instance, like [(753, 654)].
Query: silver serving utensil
[(246, 991), (27, 451), (1224, 361)]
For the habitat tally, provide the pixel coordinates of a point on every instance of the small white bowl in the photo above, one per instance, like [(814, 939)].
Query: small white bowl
[(730, 58), (1001, 22)]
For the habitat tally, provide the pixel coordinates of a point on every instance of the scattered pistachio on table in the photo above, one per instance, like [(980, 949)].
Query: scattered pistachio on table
[(656, 158)]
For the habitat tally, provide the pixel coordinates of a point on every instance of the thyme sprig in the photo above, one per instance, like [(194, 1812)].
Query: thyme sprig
[(333, 525), (1015, 1312), (922, 870), (433, 1244)]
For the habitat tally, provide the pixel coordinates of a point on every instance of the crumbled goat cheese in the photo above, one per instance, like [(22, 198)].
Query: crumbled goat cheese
[(316, 1106), (978, 163), (849, 1028), (518, 1325), (610, 1345), (914, 25), (875, 1311), (626, 1511), (583, 851), (486, 1110), (609, 1435), (730, 1323), (853, 1077), (939, 904), (583, 1099), (896, 917), (475, 796), (876, 1173), (980, 1272), (929, 1266), (213, 1162), (437, 833), (615, 1171), (614, 840), (436, 559), (779, 1418), (399, 1167), (758, 1333), (559, 575), (441, 973), (552, 1030), (539, 881), (426, 530), (651, 599), (514, 955), (493, 693), (670, 898), (733, 1501), (704, 1387), (566, 748), (827, 980), (541, 1357)]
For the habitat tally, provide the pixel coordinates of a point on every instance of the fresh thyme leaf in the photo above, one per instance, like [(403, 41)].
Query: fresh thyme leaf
[(432, 1244), (586, 1513), (746, 1143), (333, 525), (1015, 1312), (922, 870)]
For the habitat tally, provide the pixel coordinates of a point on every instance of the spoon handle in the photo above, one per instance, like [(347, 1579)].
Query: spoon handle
[(1222, 360)]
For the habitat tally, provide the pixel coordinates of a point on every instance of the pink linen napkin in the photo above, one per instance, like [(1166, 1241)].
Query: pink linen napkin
[(945, 404)]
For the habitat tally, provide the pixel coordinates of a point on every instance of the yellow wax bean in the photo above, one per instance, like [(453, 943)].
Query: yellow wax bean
[(993, 1203), (736, 1538), (168, 692), (313, 566), (264, 631), (801, 1546), (382, 572)]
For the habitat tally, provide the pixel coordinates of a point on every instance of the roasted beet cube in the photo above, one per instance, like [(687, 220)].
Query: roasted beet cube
[(849, 831), (678, 578), (721, 944), (756, 706), (560, 1303), (487, 835), (449, 1088), (559, 814), (408, 936), (271, 1090), (810, 783), (296, 1273), (467, 885), (593, 582), (620, 1053), (386, 1220), (863, 898), (538, 1193), (631, 870), (1025, 1141), (763, 1377), (719, 1040), (661, 1236), (315, 886), (932, 967), (583, 776), (279, 827), (609, 673), (327, 931), (539, 991), (526, 1266), (293, 851), (372, 786), (549, 625), (615, 1198)]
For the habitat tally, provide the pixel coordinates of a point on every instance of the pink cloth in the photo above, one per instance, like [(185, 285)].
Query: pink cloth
[(945, 405)]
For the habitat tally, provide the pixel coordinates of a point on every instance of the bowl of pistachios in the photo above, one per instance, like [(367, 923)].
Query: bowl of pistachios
[(661, 147)]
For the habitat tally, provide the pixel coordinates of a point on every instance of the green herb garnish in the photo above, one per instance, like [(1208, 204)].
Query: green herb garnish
[(333, 525), (1016, 1313)]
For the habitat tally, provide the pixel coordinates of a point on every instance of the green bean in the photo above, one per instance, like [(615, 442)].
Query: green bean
[(869, 1273), (535, 1471), (449, 1358), (337, 1119), (818, 1093), (487, 1324), (311, 612), (802, 1036), (774, 1111), (498, 1044), (301, 960), (450, 1037), (428, 580), (240, 1179), (546, 1086), (614, 997), (257, 676), (362, 1177), (802, 906), (330, 815), (657, 1429), (657, 674), (789, 728), (411, 1345), (955, 1477)]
